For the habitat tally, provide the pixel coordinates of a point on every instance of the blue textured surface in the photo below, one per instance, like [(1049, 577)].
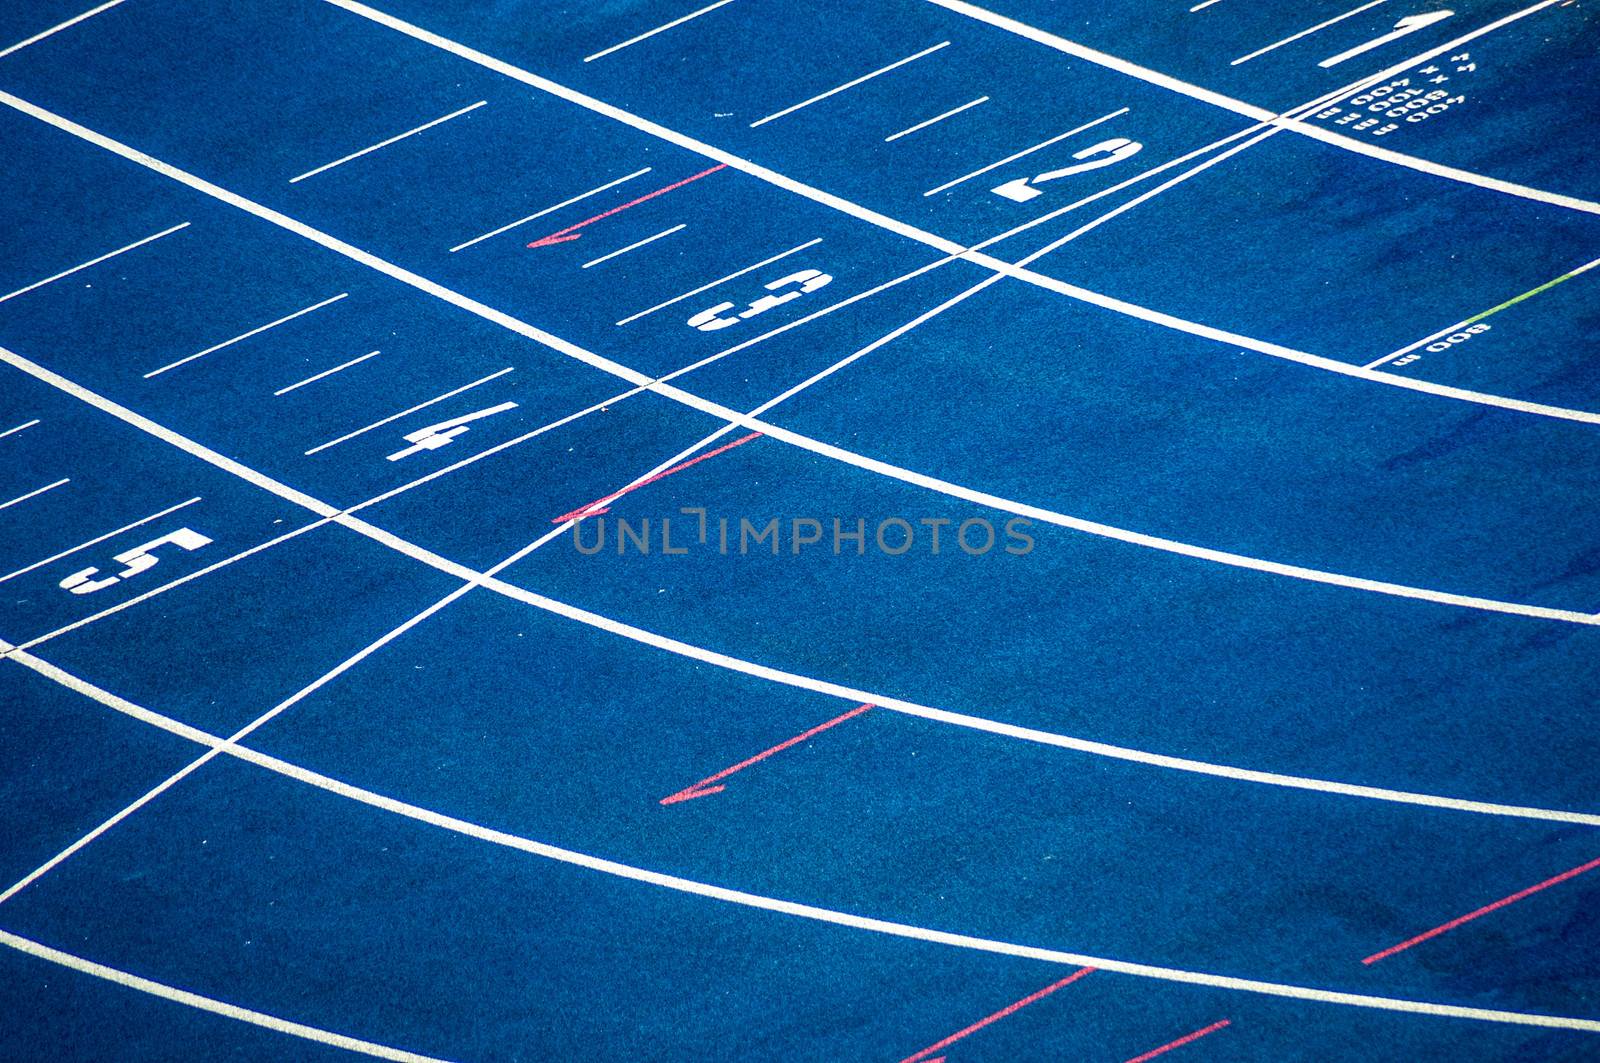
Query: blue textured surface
[(1185, 372)]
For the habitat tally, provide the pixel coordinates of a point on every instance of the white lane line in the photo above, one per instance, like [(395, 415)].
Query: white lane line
[(407, 412), (204, 1003), (712, 657), (1305, 32), (36, 492), (1262, 114), (631, 247), (936, 118), (849, 84), (245, 335), (633, 376), (19, 428), (1202, 5), (835, 917), (712, 284), (97, 540), (647, 34), (1026, 151), (341, 367), (93, 261), (37, 37), (385, 143), (549, 210), (1408, 348)]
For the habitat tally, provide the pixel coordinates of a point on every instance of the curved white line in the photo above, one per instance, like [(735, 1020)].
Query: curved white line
[(773, 904), (1293, 125), (204, 1003), (636, 634), (788, 184)]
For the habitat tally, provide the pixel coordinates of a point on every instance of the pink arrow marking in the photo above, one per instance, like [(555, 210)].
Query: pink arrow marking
[(599, 505), (571, 231), (704, 787)]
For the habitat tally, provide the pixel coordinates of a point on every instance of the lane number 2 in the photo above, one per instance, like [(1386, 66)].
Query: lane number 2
[(140, 559), (1105, 153), (802, 283)]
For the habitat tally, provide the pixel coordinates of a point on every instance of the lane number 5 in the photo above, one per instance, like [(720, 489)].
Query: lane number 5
[(140, 559)]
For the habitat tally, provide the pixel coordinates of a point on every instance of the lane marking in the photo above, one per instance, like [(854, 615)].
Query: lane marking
[(1009, 1009), (1180, 1042), (760, 671), (720, 280), (778, 905), (203, 1003), (37, 37), (1473, 320), (849, 84), (632, 247), (407, 412), (1202, 5), (1025, 151), (385, 143), (647, 34), (601, 505), (1404, 27), (936, 118), (549, 210), (849, 457), (21, 427), (1262, 114), (1480, 912), (246, 335), (711, 783), (1306, 32), (36, 492), (97, 540), (341, 367), (571, 232), (94, 261)]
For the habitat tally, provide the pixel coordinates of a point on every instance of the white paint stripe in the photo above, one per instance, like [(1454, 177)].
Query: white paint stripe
[(385, 143), (849, 84), (647, 34), (549, 210), (772, 904), (93, 261), (1026, 151), (326, 373), (97, 540), (1217, 99), (1202, 5), (246, 335), (1306, 32), (204, 1003), (36, 492), (631, 247), (696, 402), (407, 412), (1463, 323), (37, 37), (720, 280), (759, 671), (952, 112), (19, 428)]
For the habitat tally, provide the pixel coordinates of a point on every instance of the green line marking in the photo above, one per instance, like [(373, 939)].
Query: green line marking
[(1546, 286)]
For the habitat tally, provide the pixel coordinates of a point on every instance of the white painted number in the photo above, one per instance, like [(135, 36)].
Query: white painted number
[(442, 434), (140, 559), (1105, 153), (808, 281), (1408, 25)]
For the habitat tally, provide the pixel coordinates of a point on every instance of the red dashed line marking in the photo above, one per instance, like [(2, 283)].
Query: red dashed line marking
[(601, 505), (922, 1056), (571, 232), (1180, 1042)]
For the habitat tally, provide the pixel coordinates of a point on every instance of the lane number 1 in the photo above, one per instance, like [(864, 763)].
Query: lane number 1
[(1408, 25)]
